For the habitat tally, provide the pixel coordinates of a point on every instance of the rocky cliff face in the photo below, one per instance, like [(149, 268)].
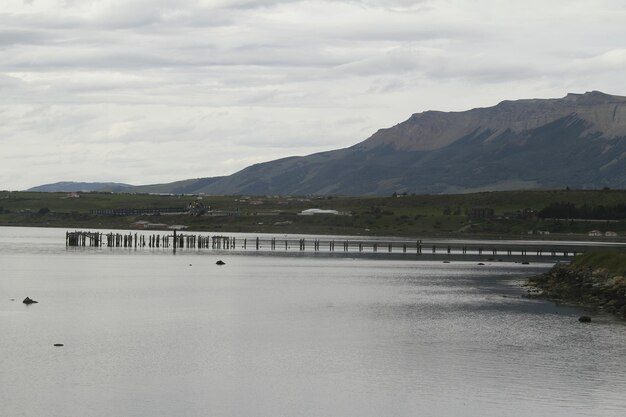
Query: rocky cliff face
[(431, 130)]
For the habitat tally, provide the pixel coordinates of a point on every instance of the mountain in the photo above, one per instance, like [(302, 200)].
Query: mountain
[(578, 141), (69, 186)]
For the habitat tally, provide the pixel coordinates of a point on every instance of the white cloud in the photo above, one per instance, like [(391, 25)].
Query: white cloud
[(206, 87)]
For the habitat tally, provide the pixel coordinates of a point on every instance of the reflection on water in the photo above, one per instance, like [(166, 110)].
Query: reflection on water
[(162, 335)]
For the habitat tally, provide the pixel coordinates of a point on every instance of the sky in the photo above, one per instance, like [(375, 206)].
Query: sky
[(154, 91)]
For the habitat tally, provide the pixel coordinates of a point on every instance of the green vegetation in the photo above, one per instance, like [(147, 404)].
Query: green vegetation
[(594, 279), (511, 213), (562, 210), (614, 262)]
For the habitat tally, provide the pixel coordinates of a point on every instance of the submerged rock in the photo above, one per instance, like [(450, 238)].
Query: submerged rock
[(29, 300), (220, 262), (584, 319)]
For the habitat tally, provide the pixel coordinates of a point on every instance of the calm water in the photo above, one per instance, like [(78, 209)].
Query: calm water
[(149, 333)]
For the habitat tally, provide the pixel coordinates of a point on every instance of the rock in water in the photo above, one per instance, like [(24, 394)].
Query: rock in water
[(28, 300), (58, 344), (584, 319), (220, 262)]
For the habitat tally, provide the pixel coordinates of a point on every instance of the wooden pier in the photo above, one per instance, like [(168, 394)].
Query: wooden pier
[(423, 249), (137, 240)]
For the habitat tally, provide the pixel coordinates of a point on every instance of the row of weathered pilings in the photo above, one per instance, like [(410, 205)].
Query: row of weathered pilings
[(176, 240), (134, 240)]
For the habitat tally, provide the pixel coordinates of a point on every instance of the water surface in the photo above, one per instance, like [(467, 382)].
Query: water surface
[(149, 333)]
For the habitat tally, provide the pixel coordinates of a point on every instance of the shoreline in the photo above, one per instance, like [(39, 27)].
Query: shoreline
[(583, 284), (321, 231)]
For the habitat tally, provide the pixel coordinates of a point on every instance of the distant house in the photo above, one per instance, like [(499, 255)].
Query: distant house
[(311, 212), (73, 195), (538, 232), (178, 227), (285, 223), (267, 213), (526, 213), (481, 213), (610, 234), (595, 233)]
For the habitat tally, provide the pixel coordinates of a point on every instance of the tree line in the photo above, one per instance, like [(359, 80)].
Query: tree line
[(563, 210)]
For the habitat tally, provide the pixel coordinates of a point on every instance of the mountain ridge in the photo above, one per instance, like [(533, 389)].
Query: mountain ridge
[(578, 140), (73, 186), (518, 115)]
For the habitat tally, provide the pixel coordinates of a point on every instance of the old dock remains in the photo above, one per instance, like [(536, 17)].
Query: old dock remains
[(426, 249)]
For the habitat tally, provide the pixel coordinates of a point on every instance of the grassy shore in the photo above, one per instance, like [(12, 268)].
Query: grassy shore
[(428, 215), (595, 279)]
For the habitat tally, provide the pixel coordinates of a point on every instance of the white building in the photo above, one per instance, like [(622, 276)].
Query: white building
[(310, 212)]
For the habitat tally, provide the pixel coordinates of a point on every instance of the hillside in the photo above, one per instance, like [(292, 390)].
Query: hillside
[(70, 186), (577, 141), (515, 213)]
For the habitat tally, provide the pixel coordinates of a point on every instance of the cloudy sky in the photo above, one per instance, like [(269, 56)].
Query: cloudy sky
[(151, 91)]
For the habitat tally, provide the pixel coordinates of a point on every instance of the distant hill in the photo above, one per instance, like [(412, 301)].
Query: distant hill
[(68, 187), (577, 141)]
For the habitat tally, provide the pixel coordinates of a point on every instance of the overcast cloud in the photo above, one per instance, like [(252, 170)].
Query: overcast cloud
[(152, 91)]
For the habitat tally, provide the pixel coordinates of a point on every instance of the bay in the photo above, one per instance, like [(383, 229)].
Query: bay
[(150, 333)]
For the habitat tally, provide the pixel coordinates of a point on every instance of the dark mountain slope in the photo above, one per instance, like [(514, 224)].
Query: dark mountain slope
[(578, 141)]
